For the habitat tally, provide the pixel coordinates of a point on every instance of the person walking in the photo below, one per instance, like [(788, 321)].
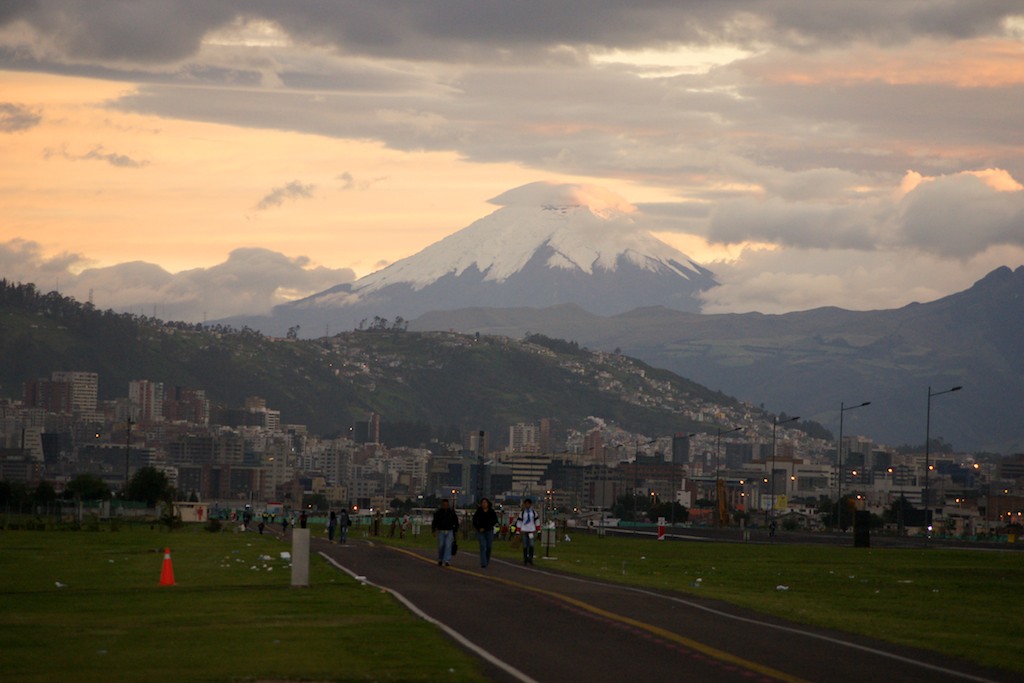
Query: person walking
[(484, 521), (332, 524), (529, 524), (444, 526), (344, 522)]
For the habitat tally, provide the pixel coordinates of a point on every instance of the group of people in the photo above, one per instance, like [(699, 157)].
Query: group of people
[(485, 519)]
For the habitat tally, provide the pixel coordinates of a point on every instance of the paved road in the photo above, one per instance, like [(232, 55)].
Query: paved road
[(535, 624)]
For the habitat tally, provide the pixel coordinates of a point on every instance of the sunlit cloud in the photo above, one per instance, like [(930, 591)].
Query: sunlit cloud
[(278, 196), (762, 139)]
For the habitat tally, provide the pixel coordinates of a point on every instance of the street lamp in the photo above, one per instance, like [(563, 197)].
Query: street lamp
[(718, 473), (839, 499), (771, 491), (927, 453)]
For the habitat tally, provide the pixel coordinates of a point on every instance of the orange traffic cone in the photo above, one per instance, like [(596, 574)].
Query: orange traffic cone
[(167, 573)]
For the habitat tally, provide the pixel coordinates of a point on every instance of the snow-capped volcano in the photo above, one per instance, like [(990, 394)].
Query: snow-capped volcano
[(585, 228), (547, 245)]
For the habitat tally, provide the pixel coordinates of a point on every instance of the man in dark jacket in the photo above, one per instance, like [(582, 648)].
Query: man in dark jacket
[(444, 526), (484, 521)]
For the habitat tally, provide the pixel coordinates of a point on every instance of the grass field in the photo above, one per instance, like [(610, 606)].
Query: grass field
[(231, 617), (963, 603)]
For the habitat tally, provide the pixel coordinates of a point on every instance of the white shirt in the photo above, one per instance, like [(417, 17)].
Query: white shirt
[(528, 520)]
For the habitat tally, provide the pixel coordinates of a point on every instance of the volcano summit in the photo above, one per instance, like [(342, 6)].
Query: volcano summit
[(547, 245)]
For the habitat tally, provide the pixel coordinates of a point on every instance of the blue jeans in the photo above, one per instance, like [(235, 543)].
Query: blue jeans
[(486, 540), (444, 545), (528, 540)]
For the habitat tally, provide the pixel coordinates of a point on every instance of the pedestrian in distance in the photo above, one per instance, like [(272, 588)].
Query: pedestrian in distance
[(284, 524), (484, 521), (303, 520), (344, 522), (444, 526), (529, 524), (332, 524)]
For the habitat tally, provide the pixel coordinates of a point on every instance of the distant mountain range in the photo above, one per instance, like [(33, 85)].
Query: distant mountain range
[(548, 245), (424, 385), (810, 362)]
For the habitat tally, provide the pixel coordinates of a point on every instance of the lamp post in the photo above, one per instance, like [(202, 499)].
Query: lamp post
[(927, 454), (839, 499), (771, 490), (718, 473)]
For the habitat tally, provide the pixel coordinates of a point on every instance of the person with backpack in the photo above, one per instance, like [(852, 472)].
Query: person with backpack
[(528, 524)]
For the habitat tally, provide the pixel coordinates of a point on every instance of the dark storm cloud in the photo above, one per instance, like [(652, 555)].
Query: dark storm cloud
[(154, 31)]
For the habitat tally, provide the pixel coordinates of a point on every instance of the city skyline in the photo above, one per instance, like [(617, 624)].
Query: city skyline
[(235, 156)]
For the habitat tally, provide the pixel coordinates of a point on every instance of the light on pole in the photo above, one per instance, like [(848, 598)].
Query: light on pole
[(718, 472), (839, 499), (771, 490), (927, 454)]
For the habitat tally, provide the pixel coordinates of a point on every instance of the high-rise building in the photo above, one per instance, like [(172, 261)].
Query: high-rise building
[(147, 399), (84, 389), (187, 405), (680, 449), (50, 396), (593, 446), (523, 438), (477, 442), (368, 430)]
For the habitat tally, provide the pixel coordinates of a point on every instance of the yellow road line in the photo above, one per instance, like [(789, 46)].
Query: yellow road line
[(707, 650)]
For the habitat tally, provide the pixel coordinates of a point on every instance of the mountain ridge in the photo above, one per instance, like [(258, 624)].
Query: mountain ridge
[(811, 361), (485, 382)]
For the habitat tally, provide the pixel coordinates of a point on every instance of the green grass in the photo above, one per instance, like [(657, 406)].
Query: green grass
[(223, 621), (957, 602)]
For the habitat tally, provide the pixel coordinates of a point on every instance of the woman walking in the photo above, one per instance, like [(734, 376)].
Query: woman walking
[(484, 521)]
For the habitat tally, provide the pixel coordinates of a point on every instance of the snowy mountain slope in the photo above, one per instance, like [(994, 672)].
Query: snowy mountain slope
[(547, 245), (584, 227)]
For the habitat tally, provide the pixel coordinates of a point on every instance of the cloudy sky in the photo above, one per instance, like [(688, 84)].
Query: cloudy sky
[(192, 158)]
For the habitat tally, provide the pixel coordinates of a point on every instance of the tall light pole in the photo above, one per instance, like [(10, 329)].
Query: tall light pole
[(775, 425), (718, 472), (927, 454), (839, 499)]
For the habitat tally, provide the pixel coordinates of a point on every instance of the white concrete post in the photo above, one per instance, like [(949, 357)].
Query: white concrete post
[(300, 558)]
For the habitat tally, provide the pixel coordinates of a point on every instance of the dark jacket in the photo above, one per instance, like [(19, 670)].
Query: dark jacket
[(484, 520), (445, 520)]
